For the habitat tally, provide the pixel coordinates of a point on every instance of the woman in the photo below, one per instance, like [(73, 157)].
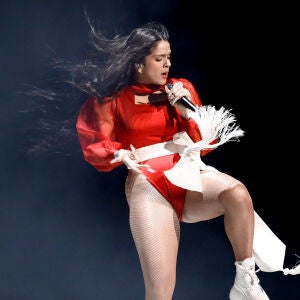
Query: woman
[(137, 118)]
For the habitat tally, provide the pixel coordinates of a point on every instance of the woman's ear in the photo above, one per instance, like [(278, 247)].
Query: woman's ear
[(138, 67)]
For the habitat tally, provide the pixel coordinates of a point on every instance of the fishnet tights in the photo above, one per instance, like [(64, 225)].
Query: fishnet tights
[(155, 229)]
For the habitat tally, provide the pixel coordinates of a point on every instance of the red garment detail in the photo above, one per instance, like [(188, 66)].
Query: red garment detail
[(174, 194), (106, 126)]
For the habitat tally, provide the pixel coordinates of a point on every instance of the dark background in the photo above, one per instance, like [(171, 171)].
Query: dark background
[(64, 230)]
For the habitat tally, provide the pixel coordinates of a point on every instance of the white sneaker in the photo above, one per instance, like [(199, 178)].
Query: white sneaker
[(246, 284)]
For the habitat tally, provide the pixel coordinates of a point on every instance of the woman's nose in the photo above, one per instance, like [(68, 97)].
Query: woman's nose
[(168, 63)]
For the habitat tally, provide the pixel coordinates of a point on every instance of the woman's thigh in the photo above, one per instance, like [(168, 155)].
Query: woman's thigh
[(207, 205), (154, 226)]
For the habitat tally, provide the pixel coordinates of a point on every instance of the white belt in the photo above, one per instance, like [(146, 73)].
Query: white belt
[(177, 145), (190, 164)]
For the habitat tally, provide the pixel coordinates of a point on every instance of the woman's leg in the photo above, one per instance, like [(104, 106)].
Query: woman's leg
[(155, 229), (224, 195)]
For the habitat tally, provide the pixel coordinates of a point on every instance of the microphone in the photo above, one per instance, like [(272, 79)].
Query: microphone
[(184, 101)]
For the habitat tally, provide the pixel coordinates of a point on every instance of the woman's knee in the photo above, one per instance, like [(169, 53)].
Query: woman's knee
[(237, 195), (162, 285)]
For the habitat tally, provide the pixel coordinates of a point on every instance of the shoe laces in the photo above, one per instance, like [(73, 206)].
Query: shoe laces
[(250, 274), (253, 276)]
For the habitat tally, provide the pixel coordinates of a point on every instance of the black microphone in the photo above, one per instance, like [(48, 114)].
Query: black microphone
[(184, 101)]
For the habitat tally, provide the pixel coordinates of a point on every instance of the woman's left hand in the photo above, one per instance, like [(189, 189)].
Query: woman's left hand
[(127, 157)]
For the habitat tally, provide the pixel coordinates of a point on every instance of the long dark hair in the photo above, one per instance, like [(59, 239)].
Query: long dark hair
[(109, 66)]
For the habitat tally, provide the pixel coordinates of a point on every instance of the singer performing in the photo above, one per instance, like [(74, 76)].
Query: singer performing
[(158, 128)]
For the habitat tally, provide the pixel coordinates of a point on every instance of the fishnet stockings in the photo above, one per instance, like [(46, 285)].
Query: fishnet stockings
[(155, 229)]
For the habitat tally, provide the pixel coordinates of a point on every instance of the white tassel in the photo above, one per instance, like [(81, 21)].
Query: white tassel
[(294, 270), (214, 124)]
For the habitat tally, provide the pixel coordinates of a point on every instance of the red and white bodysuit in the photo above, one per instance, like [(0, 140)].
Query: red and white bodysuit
[(107, 127)]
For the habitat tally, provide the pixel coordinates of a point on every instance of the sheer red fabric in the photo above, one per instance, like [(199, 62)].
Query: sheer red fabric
[(114, 123)]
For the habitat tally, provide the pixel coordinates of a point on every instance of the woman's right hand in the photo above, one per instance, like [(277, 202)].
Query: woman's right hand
[(174, 94), (128, 158)]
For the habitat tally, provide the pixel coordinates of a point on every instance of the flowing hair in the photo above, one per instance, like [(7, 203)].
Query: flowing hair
[(111, 66), (108, 67)]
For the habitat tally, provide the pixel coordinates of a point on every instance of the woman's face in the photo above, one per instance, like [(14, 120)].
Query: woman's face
[(155, 68)]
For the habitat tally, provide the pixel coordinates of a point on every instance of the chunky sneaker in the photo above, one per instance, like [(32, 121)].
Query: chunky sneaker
[(246, 284)]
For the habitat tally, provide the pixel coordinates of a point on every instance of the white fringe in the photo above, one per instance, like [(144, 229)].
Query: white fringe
[(294, 270), (214, 125)]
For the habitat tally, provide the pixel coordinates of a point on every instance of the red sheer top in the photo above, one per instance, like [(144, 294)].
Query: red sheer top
[(114, 123), (106, 126)]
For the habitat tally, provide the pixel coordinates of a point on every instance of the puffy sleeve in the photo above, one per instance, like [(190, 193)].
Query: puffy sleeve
[(190, 125), (96, 133)]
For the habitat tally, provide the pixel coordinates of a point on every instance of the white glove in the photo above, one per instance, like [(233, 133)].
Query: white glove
[(127, 157), (174, 94)]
